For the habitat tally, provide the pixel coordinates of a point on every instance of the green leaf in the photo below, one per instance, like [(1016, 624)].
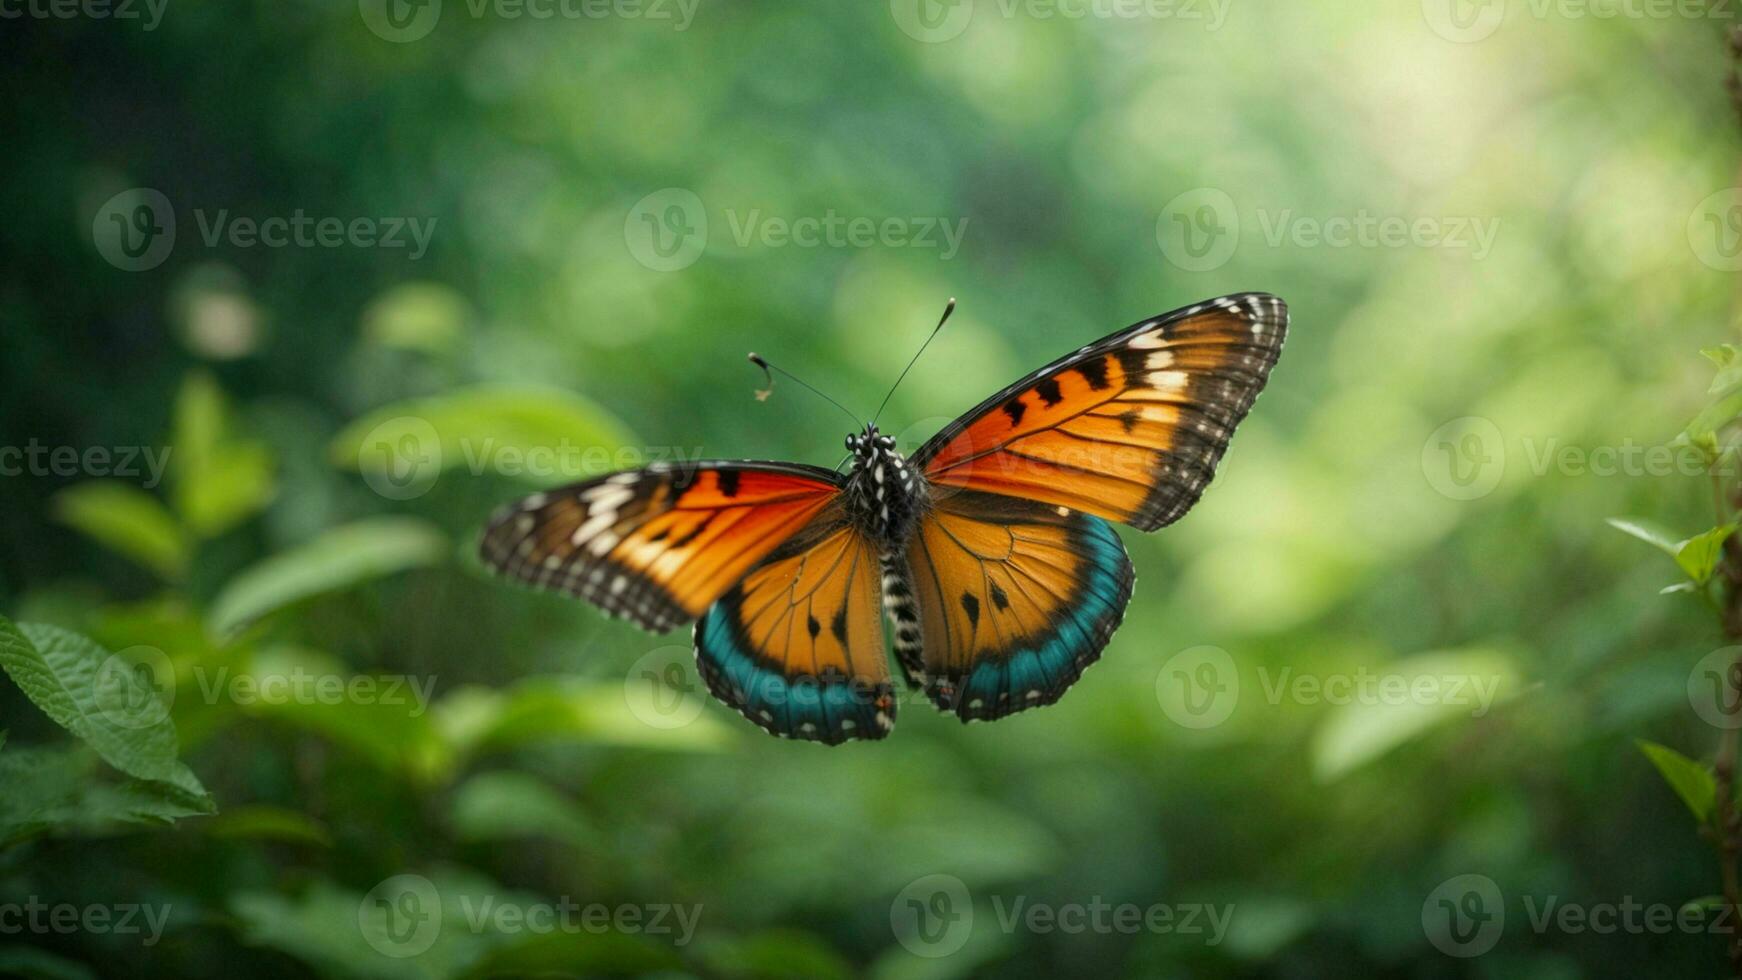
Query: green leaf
[(424, 316), (565, 708), (1729, 374), (1693, 782), (220, 480), (31, 963), (544, 436), (337, 559), (263, 822), (389, 728), (1699, 555), (1704, 427), (98, 697), (500, 805), (775, 953), (1438, 688), (408, 926), (1696, 556), (1704, 903), (561, 954), (1650, 533), (59, 790), (127, 521)]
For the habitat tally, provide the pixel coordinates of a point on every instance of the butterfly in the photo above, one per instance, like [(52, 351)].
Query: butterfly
[(990, 550)]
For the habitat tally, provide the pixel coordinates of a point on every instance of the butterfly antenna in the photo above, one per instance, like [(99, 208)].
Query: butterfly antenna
[(949, 308), (770, 370)]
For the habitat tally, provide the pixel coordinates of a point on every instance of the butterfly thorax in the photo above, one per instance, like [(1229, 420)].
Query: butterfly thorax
[(884, 495)]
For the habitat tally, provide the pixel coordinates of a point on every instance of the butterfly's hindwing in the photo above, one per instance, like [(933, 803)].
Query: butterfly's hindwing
[(656, 545), (1014, 600), (1130, 428), (797, 646)]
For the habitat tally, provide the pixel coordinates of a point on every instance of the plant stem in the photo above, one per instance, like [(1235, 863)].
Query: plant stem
[(1728, 827)]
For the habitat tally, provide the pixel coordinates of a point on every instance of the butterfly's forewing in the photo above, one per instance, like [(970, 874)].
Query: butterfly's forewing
[(1129, 428), (797, 646), (1011, 600), (656, 545)]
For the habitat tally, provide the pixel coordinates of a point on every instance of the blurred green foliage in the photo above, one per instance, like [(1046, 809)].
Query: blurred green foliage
[(284, 555)]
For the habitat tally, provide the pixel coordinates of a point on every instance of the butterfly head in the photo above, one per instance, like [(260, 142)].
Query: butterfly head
[(866, 446), (882, 492)]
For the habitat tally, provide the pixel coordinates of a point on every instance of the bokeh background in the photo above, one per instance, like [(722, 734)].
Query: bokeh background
[(1498, 363)]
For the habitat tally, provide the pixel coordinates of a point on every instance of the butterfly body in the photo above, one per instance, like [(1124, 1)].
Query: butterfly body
[(884, 495), (991, 550)]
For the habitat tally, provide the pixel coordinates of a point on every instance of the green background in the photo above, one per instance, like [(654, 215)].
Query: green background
[(1349, 534)]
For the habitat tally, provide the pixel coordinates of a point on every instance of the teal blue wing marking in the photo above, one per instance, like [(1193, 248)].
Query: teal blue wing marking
[(797, 647), (991, 631)]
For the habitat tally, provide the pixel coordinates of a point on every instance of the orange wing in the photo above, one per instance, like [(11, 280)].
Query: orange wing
[(1129, 428), (656, 545), (1005, 602), (797, 646)]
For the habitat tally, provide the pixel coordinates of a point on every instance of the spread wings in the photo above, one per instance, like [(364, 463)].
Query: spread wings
[(1129, 428), (1005, 602), (797, 647), (656, 545)]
